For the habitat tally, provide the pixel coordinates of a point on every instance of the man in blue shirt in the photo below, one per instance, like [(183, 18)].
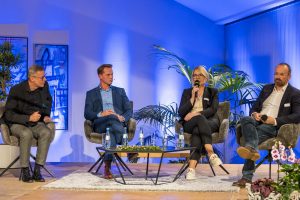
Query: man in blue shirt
[(108, 106)]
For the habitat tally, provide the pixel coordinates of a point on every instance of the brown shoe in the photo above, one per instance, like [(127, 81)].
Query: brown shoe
[(107, 173), (241, 183), (248, 153)]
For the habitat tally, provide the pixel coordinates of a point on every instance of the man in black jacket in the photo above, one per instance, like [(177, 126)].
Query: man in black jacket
[(277, 104), (27, 110)]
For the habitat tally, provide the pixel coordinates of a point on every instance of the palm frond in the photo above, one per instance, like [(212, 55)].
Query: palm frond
[(177, 63), (157, 115)]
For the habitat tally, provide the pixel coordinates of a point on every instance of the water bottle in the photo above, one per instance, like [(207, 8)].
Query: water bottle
[(153, 139), (180, 142), (107, 138), (125, 137), (141, 137)]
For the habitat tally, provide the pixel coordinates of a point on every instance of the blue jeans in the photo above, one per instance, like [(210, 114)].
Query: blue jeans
[(254, 133), (116, 130)]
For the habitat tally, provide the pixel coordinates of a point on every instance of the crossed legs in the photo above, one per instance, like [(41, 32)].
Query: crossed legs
[(254, 133), (201, 130)]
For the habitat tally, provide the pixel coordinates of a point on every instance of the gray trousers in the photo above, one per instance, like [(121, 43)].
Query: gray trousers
[(25, 135)]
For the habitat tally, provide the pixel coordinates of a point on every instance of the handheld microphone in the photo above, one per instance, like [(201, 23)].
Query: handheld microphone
[(197, 84), (264, 117)]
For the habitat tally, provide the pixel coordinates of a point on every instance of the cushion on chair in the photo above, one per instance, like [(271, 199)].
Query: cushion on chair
[(90, 135), (96, 138), (6, 134), (131, 129), (223, 111), (288, 134), (223, 114), (219, 137)]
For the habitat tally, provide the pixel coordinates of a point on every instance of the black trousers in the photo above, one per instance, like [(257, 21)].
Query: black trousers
[(201, 130)]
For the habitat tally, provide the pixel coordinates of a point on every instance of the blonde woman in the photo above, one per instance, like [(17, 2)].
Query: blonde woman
[(198, 112)]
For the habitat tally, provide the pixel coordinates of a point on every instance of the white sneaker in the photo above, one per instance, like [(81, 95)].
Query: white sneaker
[(191, 174), (215, 160)]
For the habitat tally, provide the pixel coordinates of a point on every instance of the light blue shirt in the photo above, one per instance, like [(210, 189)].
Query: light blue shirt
[(107, 100)]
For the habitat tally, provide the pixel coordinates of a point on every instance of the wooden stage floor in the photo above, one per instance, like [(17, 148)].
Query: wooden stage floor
[(12, 188)]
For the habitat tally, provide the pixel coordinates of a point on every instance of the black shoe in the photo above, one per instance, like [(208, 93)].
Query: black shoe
[(37, 176), (241, 183), (133, 157), (25, 175)]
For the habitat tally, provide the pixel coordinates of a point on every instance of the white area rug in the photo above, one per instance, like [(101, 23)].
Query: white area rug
[(80, 180)]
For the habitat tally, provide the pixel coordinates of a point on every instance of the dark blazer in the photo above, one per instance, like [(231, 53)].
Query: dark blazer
[(289, 110), (93, 103), (22, 102), (210, 103)]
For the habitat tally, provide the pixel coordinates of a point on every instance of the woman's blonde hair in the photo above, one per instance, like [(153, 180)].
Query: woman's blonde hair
[(203, 71)]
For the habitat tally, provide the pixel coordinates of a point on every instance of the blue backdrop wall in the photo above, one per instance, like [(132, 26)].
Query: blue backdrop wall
[(118, 32)]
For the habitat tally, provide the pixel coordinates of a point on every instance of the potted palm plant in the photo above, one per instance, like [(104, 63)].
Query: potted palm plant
[(8, 61)]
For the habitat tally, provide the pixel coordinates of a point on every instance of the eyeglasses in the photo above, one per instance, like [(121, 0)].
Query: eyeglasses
[(42, 77), (198, 75)]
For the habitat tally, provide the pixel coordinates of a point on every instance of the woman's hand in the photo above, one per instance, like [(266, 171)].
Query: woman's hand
[(194, 91), (190, 116)]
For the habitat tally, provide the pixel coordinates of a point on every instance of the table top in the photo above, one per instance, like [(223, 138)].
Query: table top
[(162, 150)]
